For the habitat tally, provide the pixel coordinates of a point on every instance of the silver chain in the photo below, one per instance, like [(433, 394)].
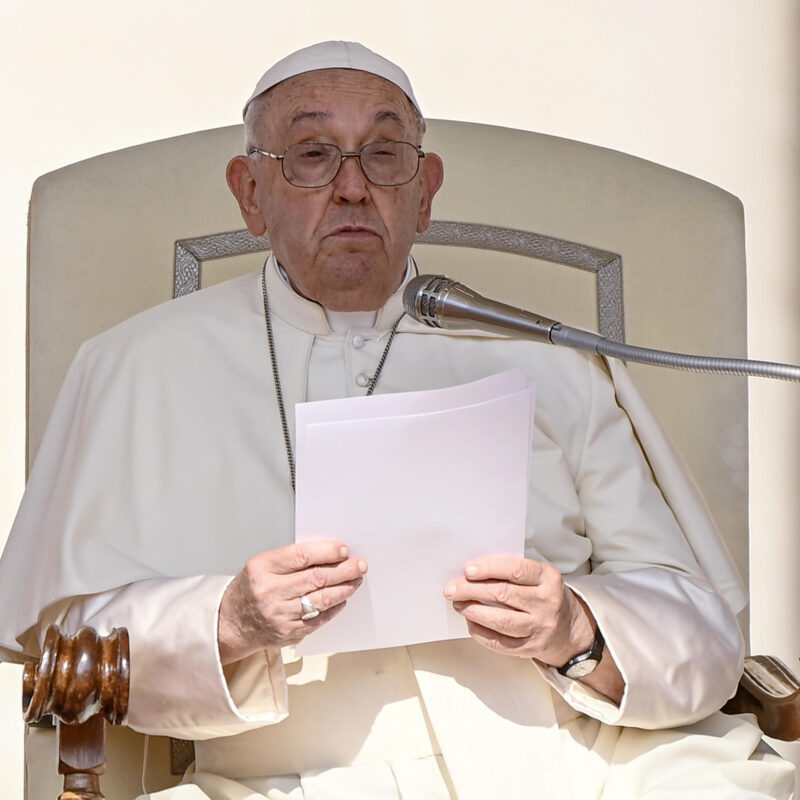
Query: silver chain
[(373, 382)]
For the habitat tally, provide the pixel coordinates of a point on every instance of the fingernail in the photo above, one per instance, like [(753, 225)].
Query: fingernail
[(450, 589), (362, 566), (343, 552), (471, 571)]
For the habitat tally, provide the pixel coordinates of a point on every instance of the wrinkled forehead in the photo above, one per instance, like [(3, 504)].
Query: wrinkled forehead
[(335, 96)]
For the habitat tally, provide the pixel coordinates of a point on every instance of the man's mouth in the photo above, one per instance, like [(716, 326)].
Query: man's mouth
[(353, 232)]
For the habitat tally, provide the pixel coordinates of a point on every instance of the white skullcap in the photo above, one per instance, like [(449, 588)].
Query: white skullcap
[(333, 55)]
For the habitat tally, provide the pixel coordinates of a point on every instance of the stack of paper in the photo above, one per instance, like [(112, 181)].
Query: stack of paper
[(416, 484)]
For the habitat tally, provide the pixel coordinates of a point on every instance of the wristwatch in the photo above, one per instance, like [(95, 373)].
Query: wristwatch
[(585, 663)]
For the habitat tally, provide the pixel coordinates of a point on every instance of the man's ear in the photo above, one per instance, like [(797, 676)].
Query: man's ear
[(242, 184), (431, 177)]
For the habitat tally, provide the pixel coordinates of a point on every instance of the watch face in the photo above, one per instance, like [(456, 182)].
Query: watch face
[(582, 668)]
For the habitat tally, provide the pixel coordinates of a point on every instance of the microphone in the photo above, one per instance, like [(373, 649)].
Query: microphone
[(440, 302)]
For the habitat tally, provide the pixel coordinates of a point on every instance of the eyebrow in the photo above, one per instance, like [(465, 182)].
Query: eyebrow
[(388, 115), (312, 116), (303, 116)]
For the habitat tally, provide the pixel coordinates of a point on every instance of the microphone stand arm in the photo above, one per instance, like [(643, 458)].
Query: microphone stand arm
[(444, 303), (594, 343)]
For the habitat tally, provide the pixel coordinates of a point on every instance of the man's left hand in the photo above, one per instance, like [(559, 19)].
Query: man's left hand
[(522, 607)]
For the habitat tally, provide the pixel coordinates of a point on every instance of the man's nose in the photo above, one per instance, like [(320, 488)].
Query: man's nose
[(350, 183)]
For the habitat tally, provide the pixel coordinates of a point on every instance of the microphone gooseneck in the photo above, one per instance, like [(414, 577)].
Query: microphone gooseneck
[(441, 302)]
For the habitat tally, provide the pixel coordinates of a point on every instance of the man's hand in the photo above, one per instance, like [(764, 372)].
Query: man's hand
[(521, 607), (261, 606)]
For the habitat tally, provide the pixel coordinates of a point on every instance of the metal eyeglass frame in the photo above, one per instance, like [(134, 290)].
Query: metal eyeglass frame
[(342, 156)]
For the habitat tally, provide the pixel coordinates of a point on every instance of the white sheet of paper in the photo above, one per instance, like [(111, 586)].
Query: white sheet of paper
[(417, 484)]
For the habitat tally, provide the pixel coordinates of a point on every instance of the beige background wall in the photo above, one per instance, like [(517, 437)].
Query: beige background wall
[(709, 88)]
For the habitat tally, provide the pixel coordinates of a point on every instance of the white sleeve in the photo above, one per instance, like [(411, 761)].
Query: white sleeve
[(178, 685), (676, 641)]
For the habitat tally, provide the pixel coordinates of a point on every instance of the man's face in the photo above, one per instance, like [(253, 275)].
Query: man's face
[(344, 245)]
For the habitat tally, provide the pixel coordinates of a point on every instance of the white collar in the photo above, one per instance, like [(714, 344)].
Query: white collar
[(307, 314)]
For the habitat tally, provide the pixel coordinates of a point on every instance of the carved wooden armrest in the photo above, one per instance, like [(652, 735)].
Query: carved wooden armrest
[(82, 681), (769, 690)]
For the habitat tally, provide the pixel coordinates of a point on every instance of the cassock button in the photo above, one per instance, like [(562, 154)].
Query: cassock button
[(362, 380), (358, 341)]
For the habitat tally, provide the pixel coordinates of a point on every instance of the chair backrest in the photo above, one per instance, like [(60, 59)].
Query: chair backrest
[(597, 239)]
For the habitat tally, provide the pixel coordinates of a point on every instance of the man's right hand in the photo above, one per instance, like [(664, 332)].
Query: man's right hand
[(261, 606)]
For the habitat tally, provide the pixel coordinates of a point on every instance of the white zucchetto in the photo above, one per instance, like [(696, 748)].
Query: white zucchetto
[(333, 55)]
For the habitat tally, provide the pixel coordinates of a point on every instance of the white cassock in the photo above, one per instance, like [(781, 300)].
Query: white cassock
[(163, 470)]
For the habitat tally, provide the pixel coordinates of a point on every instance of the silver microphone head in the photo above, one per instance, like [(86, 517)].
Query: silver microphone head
[(441, 302), (423, 293)]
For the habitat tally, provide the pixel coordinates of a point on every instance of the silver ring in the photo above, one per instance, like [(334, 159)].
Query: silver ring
[(309, 609)]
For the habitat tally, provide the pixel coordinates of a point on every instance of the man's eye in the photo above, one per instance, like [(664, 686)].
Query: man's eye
[(382, 151), (310, 155)]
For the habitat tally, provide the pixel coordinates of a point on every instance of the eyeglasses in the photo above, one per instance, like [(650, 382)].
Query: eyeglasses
[(311, 165)]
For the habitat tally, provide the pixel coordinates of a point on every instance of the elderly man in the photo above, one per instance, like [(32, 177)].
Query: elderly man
[(595, 663)]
